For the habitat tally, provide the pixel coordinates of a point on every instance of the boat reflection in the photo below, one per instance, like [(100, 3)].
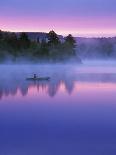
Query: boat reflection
[(12, 86)]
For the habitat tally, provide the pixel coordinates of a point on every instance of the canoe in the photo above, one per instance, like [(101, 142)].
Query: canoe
[(39, 79)]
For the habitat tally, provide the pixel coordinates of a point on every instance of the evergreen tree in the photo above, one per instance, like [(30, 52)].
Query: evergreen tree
[(53, 38), (1, 35), (44, 48), (70, 45), (70, 41), (38, 40), (24, 40)]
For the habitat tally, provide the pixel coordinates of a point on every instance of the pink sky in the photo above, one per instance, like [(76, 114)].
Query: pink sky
[(76, 26), (78, 17)]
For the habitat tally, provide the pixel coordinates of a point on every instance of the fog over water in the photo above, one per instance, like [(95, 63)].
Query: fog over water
[(72, 113), (13, 76)]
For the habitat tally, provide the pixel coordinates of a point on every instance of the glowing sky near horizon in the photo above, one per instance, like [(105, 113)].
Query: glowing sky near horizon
[(79, 17)]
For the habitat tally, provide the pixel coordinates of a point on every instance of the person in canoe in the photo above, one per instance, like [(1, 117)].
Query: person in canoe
[(35, 76)]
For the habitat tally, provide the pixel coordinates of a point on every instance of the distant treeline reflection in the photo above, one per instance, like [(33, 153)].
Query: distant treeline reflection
[(52, 87)]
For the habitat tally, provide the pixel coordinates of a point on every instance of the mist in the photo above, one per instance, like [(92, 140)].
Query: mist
[(96, 48), (13, 76)]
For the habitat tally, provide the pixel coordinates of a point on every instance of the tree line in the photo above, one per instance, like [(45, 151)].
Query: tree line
[(49, 48)]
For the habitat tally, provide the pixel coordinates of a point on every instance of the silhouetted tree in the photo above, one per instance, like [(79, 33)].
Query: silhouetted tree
[(12, 40), (69, 46), (24, 40), (44, 48), (70, 41), (1, 35), (53, 38), (38, 40)]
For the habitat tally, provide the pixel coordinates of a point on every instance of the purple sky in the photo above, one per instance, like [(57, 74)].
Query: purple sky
[(79, 17)]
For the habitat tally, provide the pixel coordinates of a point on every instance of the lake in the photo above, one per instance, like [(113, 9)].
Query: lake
[(72, 114)]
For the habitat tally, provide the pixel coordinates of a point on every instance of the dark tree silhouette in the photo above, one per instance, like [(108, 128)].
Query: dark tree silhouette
[(53, 38), (44, 51), (24, 40), (1, 35), (69, 40), (38, 40), (69, 46)]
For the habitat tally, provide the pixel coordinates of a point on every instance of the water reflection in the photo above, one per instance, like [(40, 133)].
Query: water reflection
[(73, 113), (11, 86)]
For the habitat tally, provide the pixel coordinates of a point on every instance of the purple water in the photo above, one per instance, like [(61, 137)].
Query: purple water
[(72, 114)]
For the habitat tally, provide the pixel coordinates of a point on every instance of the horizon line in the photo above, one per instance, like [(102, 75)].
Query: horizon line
[(77, 35)]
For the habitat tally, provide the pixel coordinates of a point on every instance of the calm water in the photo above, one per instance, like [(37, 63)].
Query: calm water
[(72, 114)]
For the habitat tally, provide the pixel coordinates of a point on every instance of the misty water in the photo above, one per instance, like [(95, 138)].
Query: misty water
[(72, 114)]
